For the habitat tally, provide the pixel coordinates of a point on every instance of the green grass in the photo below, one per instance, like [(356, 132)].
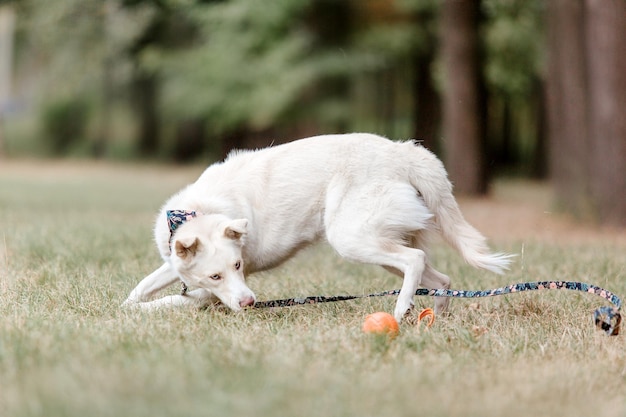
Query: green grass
[(75, 238)]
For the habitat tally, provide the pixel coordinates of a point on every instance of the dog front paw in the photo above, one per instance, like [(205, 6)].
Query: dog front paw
[(441, 305), (129, 304)]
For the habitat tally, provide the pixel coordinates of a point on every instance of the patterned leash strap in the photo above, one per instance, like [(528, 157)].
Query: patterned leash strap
[(606, 318)]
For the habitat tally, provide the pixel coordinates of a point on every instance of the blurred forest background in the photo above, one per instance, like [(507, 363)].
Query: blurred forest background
[(534, 88)]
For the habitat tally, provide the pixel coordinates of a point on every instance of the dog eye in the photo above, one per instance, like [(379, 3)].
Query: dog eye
[(238, 265), (216, 277)]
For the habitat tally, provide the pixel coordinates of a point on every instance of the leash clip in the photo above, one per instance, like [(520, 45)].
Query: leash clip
[(608, 319)]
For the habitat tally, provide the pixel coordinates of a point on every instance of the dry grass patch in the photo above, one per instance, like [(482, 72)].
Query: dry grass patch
[(76, 239)]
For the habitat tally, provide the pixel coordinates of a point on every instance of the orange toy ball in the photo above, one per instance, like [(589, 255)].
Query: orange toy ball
[(381, 323)]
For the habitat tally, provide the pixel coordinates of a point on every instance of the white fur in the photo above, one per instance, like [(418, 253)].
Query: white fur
[(372, 199)]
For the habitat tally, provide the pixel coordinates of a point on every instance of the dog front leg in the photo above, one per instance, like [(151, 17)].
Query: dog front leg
[(152, 284), (197, 298)]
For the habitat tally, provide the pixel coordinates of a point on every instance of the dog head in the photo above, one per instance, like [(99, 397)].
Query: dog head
[(207, 253)]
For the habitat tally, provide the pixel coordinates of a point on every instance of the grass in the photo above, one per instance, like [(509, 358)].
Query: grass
[(76, 238)]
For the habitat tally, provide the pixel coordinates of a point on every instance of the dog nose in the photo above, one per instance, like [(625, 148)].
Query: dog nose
[(246, 302)]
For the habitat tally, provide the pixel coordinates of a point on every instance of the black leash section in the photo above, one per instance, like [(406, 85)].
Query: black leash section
[(606, 318)]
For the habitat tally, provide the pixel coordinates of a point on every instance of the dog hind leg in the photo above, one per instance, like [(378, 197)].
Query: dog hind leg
[(372, 222), (409, 261), (435, 279), (431, 279)]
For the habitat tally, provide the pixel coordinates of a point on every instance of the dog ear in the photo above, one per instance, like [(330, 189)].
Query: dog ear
[(187, 247), (236, 228)]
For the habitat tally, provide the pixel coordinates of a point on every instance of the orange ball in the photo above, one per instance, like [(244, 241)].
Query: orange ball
[(381, 323)]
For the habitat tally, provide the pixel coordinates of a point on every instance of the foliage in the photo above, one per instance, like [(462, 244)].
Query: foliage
[(64, 123), (249, 66), (72, 39), (76, 48), (513, 39)]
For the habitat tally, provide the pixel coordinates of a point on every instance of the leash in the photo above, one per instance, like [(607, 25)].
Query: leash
[(606, 318)]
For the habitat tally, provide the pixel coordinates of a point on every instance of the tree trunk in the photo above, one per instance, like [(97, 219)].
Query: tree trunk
[(506, 156), (586, 84), (145, 98), (463, 98), (103, 136), (606, 63), (386, 101), (567, 109), (7, 30), (539, 167), (189, 140), (427, 113)]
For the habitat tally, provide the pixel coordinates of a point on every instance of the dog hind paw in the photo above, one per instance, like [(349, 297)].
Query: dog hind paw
[(403, 310)]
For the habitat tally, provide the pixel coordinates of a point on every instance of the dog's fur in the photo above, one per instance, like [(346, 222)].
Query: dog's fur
[(372, 199)]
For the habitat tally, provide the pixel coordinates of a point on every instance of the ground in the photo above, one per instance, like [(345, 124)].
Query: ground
[(76, 238)]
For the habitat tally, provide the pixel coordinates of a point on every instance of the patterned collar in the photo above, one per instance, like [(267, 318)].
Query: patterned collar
[(175, 219)]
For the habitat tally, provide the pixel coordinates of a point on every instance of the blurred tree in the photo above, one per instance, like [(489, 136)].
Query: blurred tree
[(426, 101), (567, 100), (513, 38), (463, 96), (393, 88), (65, 124), (401, 37), (103, 136), (7, 34), (79, 50), (606, 66), (427, 104), (236, 73), (586, 85), (68, 73), (331, 25), (167, 28), (249, 68)]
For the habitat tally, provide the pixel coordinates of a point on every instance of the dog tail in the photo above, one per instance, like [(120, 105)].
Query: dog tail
[(431, 181)]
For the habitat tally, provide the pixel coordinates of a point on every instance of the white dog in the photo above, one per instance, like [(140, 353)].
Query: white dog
[(372, 199)]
